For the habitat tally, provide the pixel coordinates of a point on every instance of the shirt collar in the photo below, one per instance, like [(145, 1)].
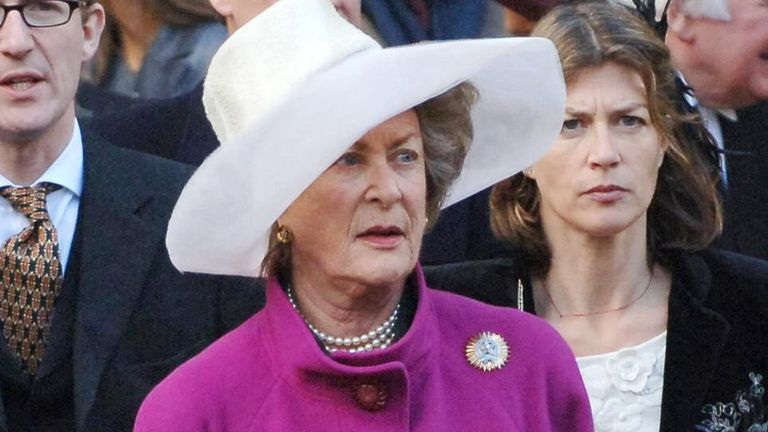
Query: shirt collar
[(67, 169)]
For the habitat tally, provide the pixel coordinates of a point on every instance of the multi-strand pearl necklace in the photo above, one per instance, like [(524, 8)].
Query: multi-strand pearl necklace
[(381, 337)]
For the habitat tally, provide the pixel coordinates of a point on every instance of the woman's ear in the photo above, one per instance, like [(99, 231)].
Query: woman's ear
[(662, 152)]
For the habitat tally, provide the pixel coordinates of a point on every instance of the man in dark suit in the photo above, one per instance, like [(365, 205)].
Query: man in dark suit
[(92, 311), (721, 49)]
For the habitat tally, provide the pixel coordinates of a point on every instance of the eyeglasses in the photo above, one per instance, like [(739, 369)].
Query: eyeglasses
[(43, 13)]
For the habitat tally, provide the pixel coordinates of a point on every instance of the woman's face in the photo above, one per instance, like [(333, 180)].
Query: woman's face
[(363, 219), (600, 176)]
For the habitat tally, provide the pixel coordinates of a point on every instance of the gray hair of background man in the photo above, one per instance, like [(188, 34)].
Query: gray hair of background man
[(714, 9)]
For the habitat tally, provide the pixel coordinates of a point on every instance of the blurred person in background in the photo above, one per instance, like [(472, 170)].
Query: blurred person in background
[(720, 47), (156, 48)]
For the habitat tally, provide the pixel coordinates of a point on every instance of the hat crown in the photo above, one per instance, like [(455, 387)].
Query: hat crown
[(294, 40)]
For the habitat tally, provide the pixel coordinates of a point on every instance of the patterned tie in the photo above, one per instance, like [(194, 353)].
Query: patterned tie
[(31, 276)]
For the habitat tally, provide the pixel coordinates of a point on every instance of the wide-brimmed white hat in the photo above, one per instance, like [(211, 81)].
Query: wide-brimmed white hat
[(295, 87)]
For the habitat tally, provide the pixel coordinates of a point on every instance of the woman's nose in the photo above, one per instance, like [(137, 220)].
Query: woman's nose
[(384, 186), (603, 149)]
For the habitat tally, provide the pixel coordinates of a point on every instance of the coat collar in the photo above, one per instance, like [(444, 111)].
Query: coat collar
[(696, 336), (113, 263), (297, 357)]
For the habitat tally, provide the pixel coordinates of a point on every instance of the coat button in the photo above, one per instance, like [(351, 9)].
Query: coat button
[(370, 396)]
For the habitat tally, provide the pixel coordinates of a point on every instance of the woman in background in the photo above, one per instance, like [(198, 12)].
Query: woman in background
[(612, 226), (156, 48)]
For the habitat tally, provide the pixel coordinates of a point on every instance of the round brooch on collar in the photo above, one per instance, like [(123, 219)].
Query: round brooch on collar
[(487, 351)]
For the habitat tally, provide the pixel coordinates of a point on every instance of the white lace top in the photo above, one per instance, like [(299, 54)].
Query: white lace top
[(624, 386)]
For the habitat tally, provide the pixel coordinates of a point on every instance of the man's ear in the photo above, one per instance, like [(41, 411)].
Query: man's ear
[(223, 7), (93, 25), (679, 23)]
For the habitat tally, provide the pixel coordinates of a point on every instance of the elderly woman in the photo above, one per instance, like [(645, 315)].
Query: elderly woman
[(612, 225), (349, 155)]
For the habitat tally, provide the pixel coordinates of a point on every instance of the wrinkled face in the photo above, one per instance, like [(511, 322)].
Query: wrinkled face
[(363, 219), (600, 175), (40, 70), (727, 62)]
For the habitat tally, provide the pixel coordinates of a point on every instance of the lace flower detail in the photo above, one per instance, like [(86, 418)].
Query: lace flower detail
[(618, 416), (630, 369)]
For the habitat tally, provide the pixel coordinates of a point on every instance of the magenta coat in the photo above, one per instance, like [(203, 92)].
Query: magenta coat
[(270, 374)]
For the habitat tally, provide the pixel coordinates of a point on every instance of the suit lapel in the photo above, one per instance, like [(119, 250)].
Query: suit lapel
[(695, 340), (117, 251)]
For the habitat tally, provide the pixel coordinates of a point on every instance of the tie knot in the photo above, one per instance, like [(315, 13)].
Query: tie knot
[(29, 200)]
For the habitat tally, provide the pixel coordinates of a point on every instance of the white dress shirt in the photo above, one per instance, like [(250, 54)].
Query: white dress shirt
[(63, 204)]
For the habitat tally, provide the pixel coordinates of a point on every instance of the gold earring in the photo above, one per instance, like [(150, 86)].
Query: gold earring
[(283, 234)]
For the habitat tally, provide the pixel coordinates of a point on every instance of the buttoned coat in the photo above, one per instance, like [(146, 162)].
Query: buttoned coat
[(135, 316), (717, 330), (271, 375)]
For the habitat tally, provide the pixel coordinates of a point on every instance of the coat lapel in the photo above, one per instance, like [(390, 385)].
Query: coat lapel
[(117, 250), (695, 340)]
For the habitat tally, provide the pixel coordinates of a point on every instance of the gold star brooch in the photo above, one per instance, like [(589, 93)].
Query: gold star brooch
[(487, 351)]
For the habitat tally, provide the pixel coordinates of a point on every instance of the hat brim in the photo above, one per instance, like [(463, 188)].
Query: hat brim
[(221, 222)]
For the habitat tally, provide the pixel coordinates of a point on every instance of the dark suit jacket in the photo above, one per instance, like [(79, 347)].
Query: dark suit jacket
[(175, 128), (746, 203), (136, 317), (716, 332)]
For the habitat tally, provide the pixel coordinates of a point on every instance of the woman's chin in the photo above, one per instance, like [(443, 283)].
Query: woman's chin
[(382, 269)]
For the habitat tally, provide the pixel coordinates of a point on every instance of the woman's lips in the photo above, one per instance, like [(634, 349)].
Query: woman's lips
[(386, 237), (606, 193)]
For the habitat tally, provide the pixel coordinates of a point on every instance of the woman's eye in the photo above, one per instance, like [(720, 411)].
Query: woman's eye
[(631, 121), (348, 159), (407, 156), (571, 125)]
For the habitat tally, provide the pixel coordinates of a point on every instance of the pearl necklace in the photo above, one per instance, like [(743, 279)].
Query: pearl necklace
[(379, 338)]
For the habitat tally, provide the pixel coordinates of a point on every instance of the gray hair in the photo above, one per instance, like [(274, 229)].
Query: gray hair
[(713, 9)]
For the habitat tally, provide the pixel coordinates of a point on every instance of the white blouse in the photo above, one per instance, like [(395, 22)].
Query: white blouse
[(625, 386)]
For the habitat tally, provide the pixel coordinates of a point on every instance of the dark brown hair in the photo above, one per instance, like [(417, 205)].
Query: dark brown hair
[(446, 131), (685, 212)]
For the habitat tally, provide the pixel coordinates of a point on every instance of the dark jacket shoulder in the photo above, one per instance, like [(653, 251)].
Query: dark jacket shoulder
[(492, 281), (174, 128)]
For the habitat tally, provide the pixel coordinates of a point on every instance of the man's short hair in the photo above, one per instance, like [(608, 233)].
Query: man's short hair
[(713, 9)]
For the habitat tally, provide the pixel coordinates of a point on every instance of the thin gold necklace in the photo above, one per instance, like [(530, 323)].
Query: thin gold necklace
[(601, 312)]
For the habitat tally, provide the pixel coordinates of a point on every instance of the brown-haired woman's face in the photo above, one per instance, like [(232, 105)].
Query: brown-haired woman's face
[(600, 175), (363, 218)]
